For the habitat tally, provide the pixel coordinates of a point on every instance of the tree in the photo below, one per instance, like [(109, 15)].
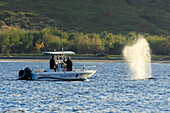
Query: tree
[(4, 37), (2, 23), (96, 44)]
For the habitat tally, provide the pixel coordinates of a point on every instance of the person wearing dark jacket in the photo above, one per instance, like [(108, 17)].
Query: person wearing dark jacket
[(53, 64), (68, 64)]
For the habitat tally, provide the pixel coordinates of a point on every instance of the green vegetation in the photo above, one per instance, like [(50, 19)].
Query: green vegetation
[(89, 16), (17, 40), (156, 12), (90, 26)]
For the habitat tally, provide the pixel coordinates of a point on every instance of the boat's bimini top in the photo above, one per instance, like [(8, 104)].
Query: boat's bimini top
[(58, 53)]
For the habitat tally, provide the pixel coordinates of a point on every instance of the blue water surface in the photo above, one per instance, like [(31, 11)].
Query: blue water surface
[(110, 90)]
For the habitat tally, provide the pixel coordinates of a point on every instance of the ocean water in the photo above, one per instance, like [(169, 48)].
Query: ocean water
[(110, 90)]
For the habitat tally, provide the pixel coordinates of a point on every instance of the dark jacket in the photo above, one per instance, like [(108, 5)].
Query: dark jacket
[(69, 65), (52, 64)]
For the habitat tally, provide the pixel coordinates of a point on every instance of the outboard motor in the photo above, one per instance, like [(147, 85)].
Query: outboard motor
[(21, 72), (25, 74)]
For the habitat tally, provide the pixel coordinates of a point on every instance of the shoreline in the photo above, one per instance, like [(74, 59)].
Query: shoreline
[(94, 60), (73, 58)]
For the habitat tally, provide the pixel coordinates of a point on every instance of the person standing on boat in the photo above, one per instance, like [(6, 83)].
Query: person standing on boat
[(68, 63), (53, 64)]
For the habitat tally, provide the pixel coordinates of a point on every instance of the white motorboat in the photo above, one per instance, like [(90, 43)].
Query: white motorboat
[(59, 74)]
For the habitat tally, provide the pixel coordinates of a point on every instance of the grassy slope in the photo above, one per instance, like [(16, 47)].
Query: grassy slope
[(157, 12), (117, 16)]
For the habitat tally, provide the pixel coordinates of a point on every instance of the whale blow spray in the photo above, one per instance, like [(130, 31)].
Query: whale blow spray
[(139, 58)]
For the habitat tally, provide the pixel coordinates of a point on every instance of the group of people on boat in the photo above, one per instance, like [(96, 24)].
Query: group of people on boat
[(68, 63), (27, 75)]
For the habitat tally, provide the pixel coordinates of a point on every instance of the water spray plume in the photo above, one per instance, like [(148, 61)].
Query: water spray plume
[(139, 58)]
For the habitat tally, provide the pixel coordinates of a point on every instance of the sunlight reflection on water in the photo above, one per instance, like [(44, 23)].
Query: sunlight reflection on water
[(109, 90)]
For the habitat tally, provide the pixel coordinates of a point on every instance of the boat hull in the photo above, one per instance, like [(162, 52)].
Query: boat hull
[(63, 75)]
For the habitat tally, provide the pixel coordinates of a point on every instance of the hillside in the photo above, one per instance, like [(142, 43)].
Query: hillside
[(87, 16)]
